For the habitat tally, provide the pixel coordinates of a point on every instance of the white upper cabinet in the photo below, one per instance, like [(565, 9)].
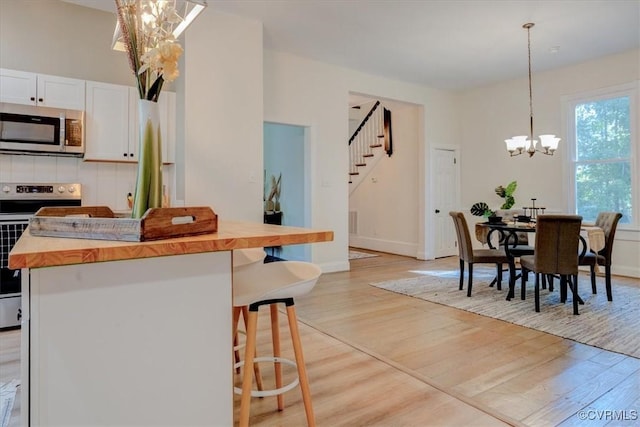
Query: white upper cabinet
[(21, 87), (111, 123), (107, 123)]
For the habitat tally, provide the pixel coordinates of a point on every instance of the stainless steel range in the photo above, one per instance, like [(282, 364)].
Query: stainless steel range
[(18, 203)]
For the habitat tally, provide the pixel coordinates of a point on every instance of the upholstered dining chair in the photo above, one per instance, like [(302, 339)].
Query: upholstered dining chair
[(471, 256), (556, 253), (608, 221)]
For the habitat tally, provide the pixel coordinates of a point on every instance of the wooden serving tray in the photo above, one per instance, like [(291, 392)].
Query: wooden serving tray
[(100, 223)]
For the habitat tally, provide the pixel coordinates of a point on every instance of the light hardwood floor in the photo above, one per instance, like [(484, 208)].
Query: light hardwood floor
[(376, 358), (409, 362)]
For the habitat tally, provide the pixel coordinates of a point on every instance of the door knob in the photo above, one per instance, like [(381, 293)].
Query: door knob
[(437, 210)]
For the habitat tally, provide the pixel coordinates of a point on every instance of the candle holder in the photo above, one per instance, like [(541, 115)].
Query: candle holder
[(533, 210)]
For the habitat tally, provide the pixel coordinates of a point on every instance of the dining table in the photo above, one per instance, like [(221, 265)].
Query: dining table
[(591, 238)]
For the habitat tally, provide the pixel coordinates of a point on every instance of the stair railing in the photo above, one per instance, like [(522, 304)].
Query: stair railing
[(366, 137)]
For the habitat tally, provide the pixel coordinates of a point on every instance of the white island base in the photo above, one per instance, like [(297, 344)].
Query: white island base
[(133, 342)]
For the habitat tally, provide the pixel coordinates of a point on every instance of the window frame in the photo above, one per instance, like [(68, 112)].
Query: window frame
[(568, 106)]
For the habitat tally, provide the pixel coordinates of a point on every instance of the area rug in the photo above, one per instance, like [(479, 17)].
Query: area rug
[(7, 399), (608, 325), (359, 255)]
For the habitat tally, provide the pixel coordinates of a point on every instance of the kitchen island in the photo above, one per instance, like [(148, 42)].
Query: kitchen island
[(133, 333)]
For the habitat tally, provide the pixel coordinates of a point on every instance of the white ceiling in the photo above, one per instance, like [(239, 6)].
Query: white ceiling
[(454, 44)]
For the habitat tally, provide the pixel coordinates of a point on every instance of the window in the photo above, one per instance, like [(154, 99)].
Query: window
[(602, 135)]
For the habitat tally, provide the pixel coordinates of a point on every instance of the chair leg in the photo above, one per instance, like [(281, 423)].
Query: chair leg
[(563, 289), (607, 278), (574, 290), (470, 279), (592, 269), (275, 338), (550, 280), (523, 281), (302, 370), (537, 292), (250, 349), (544, 281), (461, 274), (499, 286)]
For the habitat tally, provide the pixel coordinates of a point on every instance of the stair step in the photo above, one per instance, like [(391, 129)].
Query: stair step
[(354, 173), (375, 145)]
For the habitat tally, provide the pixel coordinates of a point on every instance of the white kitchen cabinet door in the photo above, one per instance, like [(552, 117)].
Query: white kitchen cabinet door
[(22, 87), (60, 92), (107, 133), (168, 126), (18, 87)]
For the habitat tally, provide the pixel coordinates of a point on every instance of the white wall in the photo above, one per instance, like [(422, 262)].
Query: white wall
[(386, 200), (223, 115), (309, 93), (488, 115)]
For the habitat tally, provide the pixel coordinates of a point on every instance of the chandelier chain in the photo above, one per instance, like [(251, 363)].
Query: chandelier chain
[(528, 27)]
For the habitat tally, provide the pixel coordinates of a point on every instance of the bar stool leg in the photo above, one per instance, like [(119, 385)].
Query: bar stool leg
[(236, 353), (302, 371), (275, 338), (256, 367), (250, 350)]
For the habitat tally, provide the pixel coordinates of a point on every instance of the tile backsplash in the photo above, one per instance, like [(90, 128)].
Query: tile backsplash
[(103, 183)]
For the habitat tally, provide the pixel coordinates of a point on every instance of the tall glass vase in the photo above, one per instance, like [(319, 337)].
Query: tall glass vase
[(148, 193)]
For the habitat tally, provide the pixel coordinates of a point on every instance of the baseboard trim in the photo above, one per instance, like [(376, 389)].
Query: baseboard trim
[(380, 245)]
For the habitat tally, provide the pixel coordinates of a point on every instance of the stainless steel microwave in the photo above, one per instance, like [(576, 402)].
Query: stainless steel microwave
[(60, 134)]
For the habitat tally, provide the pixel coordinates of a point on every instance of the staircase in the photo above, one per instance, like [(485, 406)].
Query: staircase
[(369, 143)]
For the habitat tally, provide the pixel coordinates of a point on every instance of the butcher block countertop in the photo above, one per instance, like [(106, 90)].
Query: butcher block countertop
[(33, 252)]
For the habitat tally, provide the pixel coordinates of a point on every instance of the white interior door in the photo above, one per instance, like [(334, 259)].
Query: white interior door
[(445, 187)]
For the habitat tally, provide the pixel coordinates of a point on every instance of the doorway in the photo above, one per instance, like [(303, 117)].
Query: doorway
[(286, 183)]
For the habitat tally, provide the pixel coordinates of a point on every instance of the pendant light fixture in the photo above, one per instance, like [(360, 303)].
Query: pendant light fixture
[(525, 143), (184, 12)]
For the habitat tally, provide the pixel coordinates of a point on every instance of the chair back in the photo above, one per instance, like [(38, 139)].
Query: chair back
[(608, 221), (465, 247), (557, 243)]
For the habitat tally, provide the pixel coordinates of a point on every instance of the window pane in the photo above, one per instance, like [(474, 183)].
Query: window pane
[(603, 130), (603, 187)]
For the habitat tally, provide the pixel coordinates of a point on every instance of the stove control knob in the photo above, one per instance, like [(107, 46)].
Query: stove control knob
[(6, 189), (72, 189), (61, 189)]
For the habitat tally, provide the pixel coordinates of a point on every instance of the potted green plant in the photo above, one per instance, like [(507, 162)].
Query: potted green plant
[(483, 209)]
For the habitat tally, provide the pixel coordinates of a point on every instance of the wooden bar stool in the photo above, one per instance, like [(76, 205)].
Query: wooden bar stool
[(244, 259), (271, 284)]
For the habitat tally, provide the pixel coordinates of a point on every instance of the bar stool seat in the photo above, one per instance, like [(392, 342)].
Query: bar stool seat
[(271, 284)]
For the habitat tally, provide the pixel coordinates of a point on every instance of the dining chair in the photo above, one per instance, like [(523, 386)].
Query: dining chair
[(556, 253), (608, 221), (471, 256)]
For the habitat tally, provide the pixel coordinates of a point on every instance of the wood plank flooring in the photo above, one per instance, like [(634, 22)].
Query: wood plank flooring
[(376, 358)]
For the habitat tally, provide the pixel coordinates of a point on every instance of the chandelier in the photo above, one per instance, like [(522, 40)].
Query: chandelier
[(525, 143), (183, 12)]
